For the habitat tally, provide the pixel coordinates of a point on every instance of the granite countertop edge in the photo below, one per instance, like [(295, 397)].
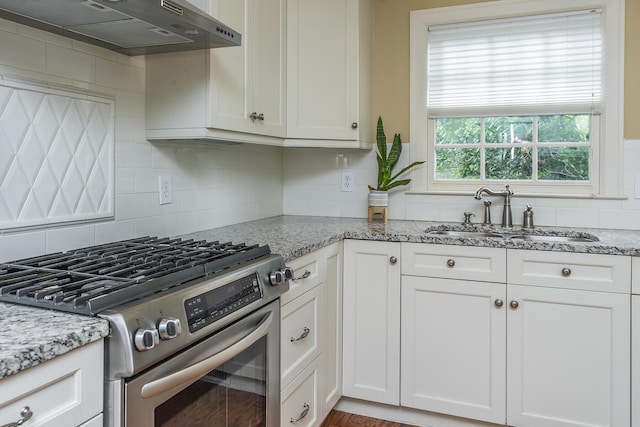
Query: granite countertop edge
[(33, 335)]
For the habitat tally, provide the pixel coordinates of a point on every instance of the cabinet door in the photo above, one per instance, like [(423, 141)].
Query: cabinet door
[(371, 329), (249, 79), (635, 363), (64, 391), (322, 72), (568, 357), (453, 347), (331, 331), (267, 62), (229, 70)]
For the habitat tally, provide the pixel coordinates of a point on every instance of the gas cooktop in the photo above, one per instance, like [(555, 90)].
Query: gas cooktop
[(93, 279)]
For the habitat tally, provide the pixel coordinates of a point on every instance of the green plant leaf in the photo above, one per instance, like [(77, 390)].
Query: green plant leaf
[(394, 153), (381, 139), (397, 184), (414, 164), (388, 159)]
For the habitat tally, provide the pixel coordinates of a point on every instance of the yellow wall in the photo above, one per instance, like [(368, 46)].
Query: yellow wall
[(391, 62)]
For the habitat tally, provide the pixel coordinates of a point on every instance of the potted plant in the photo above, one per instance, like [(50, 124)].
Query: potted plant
[(387, 161)]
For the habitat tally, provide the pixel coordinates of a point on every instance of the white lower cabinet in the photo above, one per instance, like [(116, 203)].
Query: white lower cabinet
[(568, 357), (453, 347), (371, 328), (311, 339), (64, 391), (531, 338), (635, 354)]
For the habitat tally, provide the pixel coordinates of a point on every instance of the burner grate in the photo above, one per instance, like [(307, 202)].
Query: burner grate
[(92, 279)]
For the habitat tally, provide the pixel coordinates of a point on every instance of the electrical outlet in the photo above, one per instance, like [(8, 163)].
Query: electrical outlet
[(165, 189), (347, 181)]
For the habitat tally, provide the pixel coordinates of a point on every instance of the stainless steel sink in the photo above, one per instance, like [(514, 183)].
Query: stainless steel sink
[(480, 234), (574, 238), (542, 238)]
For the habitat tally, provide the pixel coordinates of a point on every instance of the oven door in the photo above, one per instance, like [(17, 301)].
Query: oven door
[(231, 378)]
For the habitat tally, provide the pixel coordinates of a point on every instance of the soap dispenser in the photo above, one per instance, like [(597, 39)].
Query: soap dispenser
[(527, 221)]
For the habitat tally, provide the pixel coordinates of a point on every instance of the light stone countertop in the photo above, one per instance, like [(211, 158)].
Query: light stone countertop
[(30, 336), (294, 236)]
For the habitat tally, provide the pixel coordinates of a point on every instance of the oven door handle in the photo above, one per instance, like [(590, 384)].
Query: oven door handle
[(205, 366)]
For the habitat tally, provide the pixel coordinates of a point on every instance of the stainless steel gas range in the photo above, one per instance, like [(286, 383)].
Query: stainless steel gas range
[(194, 325)]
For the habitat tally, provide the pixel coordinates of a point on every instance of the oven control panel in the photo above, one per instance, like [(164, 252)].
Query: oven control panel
[(215, 304)]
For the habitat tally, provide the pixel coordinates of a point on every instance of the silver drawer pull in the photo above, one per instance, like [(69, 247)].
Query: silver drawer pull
[(306, 274), (25, 413), (303, 335), (451, 262), (303, 414), (566, 272)]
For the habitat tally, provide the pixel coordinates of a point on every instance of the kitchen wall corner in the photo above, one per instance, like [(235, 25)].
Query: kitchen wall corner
[(213, 185)]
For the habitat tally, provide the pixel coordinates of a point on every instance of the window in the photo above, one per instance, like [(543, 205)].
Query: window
[(517, 92)]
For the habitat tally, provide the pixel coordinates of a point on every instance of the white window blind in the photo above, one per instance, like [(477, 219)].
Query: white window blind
[(545, 64)]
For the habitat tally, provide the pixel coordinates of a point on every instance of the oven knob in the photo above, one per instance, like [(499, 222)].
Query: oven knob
[(276, 278), (288, 273), (169, 328), (146, 339)]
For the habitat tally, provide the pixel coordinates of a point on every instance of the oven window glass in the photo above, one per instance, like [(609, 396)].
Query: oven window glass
[(234, 394)]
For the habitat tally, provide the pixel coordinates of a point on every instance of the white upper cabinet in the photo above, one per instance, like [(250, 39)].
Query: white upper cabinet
[(234, 94), (329, 73)]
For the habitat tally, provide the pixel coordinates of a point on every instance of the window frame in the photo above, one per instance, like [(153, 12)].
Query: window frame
[(607, 128)]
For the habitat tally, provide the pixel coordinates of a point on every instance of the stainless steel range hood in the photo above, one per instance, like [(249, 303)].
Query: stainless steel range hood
[(132, 27)]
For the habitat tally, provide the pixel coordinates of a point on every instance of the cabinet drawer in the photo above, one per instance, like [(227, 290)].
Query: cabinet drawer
[(301, 400), (609, 273), (454, 262), (307, 274), (64, 391), (299, 338)]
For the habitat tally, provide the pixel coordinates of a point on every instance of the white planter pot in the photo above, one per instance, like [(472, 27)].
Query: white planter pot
[(378, 198)]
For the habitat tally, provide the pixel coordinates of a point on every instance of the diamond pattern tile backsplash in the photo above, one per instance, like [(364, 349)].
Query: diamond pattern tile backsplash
[(56, 154)]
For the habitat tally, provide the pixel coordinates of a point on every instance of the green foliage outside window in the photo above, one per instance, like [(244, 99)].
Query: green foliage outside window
[(558, 147)]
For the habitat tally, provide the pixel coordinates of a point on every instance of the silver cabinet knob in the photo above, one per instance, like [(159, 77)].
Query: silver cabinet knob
[(393, 260), (566, 272), (514, 304), (354, 125), (253, 116), (451, 262), (498, 303), (261, 116)]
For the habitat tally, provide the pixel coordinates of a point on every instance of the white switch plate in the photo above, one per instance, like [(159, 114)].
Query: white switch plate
[(347, 181), (637, 187), (165, 189)]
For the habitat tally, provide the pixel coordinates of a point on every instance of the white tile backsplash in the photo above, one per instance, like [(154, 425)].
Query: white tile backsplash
[(213, 185)]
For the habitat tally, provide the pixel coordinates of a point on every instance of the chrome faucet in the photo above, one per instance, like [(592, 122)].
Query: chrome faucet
[(507, 219)]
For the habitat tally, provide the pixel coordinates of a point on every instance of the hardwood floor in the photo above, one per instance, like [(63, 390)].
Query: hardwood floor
[(344, 419)]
